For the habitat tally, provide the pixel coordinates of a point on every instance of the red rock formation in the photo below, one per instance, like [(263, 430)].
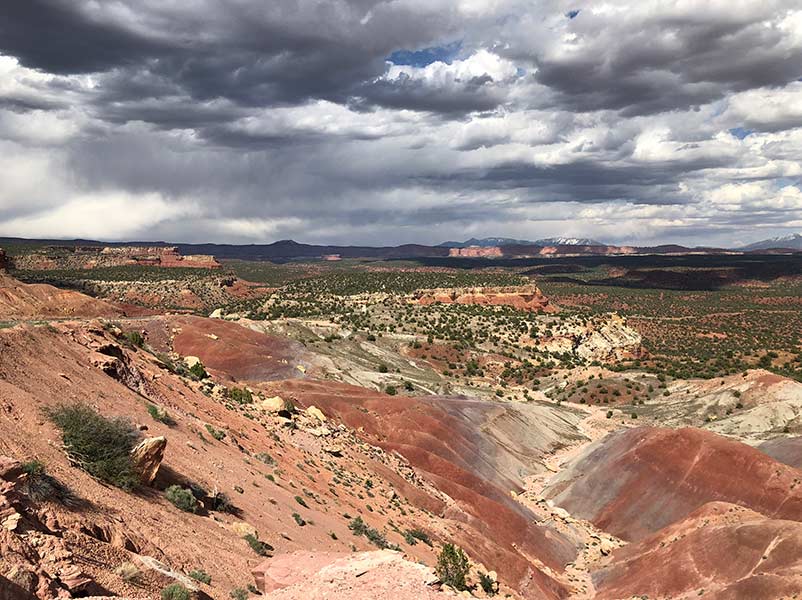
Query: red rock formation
[(476, 251), (636, 481), (91, 257), (720, 551), (160, 257), (519, 297)]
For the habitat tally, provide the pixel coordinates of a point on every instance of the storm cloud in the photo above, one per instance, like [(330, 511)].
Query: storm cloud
[(371, 121)]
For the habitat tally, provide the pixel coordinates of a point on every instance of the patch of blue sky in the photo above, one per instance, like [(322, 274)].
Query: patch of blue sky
[(741, 132), (426, 56)]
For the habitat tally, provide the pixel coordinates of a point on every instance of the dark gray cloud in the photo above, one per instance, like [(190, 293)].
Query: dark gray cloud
[(252, 121)]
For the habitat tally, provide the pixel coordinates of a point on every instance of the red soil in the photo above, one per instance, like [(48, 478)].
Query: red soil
[(721, 551), (42, 366), (21, 301), (636, 481), (228, 348), (465, 463)]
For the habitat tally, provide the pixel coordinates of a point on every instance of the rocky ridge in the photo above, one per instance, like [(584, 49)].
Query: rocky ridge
[(518, 297)]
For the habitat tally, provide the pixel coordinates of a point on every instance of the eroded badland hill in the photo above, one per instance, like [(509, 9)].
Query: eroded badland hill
[(340, 429)]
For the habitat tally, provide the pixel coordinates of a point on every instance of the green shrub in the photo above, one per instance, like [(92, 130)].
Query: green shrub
[(239, 594), (261, 548), (412, 536), (452, 566), (488, 584), (198, 371), (159, 414), (217, 434), (135, 339), (240, 395), (200, 575), (99, 445), (299, 519), (390, 390), (376, 537), (175, 591), (382, 368), (181, 498), (301, 501)]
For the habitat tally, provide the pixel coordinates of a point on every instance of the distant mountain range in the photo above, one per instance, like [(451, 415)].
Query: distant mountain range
[(287, 250), (489, 242), (792, 242)]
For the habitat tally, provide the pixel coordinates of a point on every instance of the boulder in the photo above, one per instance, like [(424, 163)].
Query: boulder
[(273, 405), (147, 457), (314, 411)]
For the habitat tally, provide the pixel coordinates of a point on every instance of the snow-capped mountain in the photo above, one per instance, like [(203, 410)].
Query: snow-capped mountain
[(486, 242), (568, 241), (500, 241), (792, 242)]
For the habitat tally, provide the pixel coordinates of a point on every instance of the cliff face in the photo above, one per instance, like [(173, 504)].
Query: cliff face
[(91, 257), (519, 297), (3, 260)]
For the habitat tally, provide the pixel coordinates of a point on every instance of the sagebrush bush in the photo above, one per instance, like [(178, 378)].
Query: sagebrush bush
[(412, 536), (239, 594), (99, 445), (181, 498), (261, 548), (452, 566), (240, 395), (128, 572), (135, 339), (200, 575), (175, 591)]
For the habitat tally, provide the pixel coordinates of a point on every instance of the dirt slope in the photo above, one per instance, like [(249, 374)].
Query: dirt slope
[(24, 301), (228, 349), (475, 452), (721, 551), (787, 450), (41, 366), (634, 482)]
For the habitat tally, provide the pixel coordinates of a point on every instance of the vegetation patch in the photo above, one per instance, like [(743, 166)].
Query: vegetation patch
[(99, 445)]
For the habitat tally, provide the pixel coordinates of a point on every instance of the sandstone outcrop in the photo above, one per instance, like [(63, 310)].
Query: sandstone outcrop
[(518, 297), (343, 576), (602, 338), (147, 456), (476, 251), (91, 257)]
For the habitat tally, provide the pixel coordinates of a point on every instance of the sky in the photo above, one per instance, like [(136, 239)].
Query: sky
[(401, 121)]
